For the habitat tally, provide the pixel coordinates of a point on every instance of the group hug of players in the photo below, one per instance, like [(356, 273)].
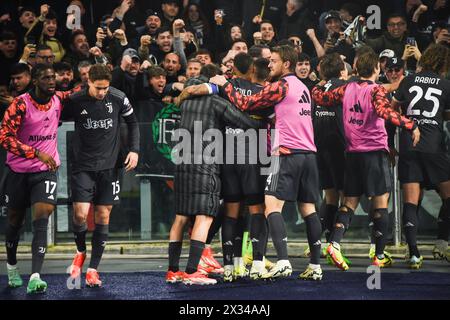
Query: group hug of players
[(345, 154), (332, 138)]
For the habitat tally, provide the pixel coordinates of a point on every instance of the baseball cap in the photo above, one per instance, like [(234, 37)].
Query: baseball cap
[(132, 53), (153, 13), (394, 62), (387, 53), (332, 14), (438, 24)]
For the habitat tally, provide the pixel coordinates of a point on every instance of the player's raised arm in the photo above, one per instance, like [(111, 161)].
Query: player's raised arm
[(269, 96), (328, 98), (385, 111)]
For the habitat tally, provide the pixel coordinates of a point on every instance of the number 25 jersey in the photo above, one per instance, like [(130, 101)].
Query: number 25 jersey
[(424, 97)]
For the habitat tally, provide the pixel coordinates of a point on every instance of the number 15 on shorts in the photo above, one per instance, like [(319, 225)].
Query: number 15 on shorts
[(115, 190)]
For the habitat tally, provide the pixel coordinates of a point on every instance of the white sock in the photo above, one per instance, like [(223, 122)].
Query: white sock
[(283, 262), (90, 269), (336, 245), (238, 261), (35, 276), (314, 266), (258, 265), (10, 267)]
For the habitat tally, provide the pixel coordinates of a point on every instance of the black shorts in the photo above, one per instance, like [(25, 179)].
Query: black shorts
[(22, 190), (367, 173), (331, 164), (197, 189), (294, 177), (429, 169), (243, 182), (100, 187)]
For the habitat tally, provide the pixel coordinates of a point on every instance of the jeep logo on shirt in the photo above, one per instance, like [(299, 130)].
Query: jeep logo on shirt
[(100, 124), (305, 112), (358, 122)]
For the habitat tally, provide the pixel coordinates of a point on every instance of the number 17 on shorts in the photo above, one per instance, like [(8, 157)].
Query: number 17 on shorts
[(50, 189)]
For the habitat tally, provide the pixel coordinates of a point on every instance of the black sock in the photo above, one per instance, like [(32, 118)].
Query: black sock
[(278, 233), (314, 231), (329, 220), (241, 226), (99, 238), (267, 237), (228, 235), (12, 236), (419, 204), (174, 255), (343, 217), (258, 235), (39, 244), (323, 215), (371, 230), (216, 224), (195, 252), (381, 225), (410, 227), (444, 221), (79, 233)]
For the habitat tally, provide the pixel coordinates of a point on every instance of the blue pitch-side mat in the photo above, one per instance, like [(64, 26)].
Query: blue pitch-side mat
[(152, 286)]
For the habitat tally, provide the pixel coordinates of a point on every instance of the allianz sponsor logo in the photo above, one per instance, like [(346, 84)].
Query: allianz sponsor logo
[(98, 124), (37, 138)]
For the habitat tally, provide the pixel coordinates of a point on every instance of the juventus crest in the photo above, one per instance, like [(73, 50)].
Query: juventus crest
[(109, 107)]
